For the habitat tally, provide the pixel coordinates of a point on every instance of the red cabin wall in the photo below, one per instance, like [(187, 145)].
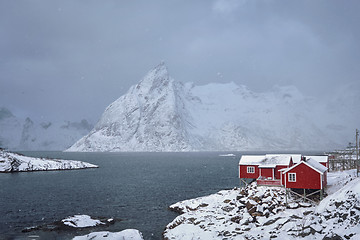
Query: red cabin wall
[(244, 174), (266, 172), (277, 173), (306, 178)]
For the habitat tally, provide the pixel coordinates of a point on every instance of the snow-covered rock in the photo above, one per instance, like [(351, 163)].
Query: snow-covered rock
[(260, 213), (81, 221), (14, 162), (128, 234), (73, 223), (162, 114)]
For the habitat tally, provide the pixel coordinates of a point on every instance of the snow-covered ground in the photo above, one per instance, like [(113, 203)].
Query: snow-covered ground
[(14, 162), (259, 212)]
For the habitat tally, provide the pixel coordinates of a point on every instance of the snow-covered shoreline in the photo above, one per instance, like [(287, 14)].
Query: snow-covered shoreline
[(14, 162), (259, 212)]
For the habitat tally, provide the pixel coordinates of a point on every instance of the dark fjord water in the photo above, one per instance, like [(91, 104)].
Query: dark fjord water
[(134, 187)]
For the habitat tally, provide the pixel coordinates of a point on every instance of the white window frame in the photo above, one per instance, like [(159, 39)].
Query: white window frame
[(292, 177), (250, 170)]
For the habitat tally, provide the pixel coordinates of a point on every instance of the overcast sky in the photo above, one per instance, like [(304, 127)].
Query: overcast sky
[(71, 59)]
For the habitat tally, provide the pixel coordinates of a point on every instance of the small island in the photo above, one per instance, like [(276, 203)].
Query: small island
[(15, 162)]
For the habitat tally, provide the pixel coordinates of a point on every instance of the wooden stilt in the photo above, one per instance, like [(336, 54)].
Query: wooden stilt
[(304, 194), (321, 194), (244, 182)]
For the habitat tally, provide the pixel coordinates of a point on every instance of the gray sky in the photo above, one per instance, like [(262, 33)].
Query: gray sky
[(71, 59)]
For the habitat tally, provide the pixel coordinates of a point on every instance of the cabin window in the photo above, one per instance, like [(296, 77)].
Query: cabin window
[(250, 169), (292, 177)]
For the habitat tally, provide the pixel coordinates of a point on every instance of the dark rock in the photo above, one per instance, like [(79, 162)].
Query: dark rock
[(349, 236), (236, 219), (307, 231), (203, 205), (244, 192), (249, 205), (332, 236), (252, 210), (267, 213), (344, 216), (338, 204), (307, 213), (177, 210), (257, 214), (256, 199), (271, 221), (295, 217), (227, 208)]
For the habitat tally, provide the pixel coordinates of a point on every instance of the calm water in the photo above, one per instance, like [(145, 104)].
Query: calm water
[(134, 187)]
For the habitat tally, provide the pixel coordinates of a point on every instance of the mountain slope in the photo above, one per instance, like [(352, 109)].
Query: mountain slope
[(161, 114)]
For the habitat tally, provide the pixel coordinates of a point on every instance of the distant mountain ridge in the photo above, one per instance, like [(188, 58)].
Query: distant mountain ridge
[(29, 135), (162, 114)]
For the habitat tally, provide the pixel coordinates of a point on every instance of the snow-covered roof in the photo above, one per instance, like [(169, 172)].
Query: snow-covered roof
[(251, 159), (319, 159), (279, 159), (315, 164), (311, 163), (268, 160)]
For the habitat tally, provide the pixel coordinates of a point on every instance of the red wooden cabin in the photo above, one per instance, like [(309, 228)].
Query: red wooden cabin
[(306, 174), (265, 168)]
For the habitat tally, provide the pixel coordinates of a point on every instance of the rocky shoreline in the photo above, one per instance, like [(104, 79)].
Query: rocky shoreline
[(259, 212)]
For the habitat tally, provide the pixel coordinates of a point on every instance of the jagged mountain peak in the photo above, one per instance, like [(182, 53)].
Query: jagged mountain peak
[(156, 79), (149, 116), (5, 113)]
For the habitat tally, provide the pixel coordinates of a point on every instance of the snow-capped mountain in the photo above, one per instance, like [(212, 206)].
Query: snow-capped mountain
[(27, 134), (161, 114), (152, 116)]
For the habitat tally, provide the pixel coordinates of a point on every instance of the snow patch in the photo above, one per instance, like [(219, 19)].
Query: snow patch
[(128, 234), (81, 221)]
